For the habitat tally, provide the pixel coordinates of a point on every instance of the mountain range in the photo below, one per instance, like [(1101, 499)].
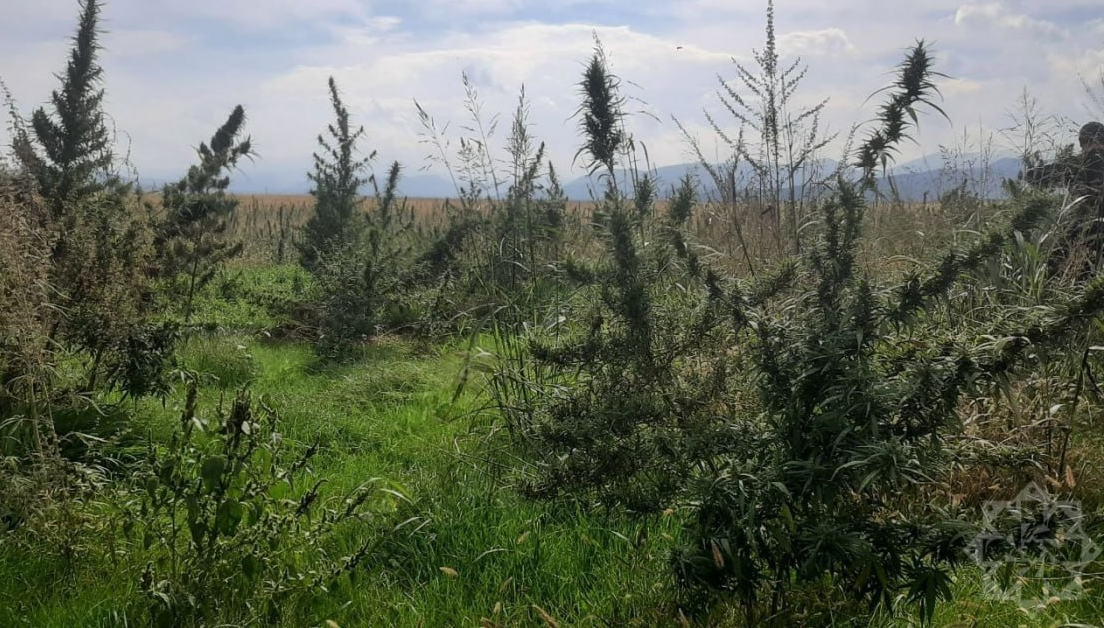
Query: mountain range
[(914, 180)]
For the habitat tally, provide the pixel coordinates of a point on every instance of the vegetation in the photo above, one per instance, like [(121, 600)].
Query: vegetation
[(510, 411)]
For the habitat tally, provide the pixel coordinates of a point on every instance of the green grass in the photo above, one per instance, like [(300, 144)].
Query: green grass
[(250, 298), (466, 546), (462, 548), (390, 416)]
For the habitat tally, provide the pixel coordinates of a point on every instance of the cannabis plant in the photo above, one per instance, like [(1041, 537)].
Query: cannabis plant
[(69, 150), (191, 240), (838, 475), (97, 241), (604, 406), (337, 177), (361, 284)]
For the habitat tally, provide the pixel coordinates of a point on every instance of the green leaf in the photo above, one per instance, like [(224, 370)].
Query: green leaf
[(212, 471), (198, 530), (228, 516), (279, 490), (256, 509)]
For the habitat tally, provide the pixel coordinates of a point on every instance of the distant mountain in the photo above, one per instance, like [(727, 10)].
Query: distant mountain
[(911, 180), (986, 181)]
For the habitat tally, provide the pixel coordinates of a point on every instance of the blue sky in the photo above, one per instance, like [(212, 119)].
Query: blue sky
[(174, 70)]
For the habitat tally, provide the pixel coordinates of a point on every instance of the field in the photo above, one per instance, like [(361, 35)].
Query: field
[(460, 547), (789, 398)]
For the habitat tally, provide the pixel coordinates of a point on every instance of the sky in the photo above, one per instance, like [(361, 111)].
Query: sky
[(174, 70)]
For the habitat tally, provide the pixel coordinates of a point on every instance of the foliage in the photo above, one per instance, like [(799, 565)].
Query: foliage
[(97, 242), (26, 318), (239, 526), (360, 284), (615, 400), (191, 238), (913, 87), (497, 255), (337, 181), (790, 138), (68, 150)]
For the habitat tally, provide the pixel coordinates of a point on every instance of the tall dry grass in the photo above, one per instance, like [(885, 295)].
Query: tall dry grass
[(26, 317)]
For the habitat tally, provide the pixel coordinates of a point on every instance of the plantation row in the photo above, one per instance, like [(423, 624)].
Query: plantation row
[(774, 407)]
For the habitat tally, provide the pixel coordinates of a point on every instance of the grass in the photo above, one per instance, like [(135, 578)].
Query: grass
[(465, 548), (470, 545)]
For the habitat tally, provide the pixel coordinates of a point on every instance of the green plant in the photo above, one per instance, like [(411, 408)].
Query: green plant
[(101, 304), (191, 238), (225, 360), (839, 476), (360, 284), (619, 407), (784, 161), (68, 150), (337, 181), (237, 526)]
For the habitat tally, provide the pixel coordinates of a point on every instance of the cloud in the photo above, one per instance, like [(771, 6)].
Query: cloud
[(174, 70), (130, 44), (827, 41), (993, 14)]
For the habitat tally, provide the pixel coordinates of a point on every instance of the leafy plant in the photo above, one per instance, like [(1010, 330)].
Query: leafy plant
[(68, 150), (362, 282), (337, 182), (605, 408), (191, 240), (236, 524), (101, 305), (783, 161)]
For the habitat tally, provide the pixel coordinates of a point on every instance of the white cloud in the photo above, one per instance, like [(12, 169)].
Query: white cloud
[(827, 42), (141, 43), (994, 14)]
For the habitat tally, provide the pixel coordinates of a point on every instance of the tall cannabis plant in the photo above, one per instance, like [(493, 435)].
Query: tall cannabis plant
[(603, 405), (838, 475), (97, 241), (68, 149), (361, 284), (191, 241), (338, 178)]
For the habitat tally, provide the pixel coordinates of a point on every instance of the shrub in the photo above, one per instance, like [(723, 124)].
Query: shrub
[(96, 242), (337, 182), (191, 239), (237, 526), (616, 408)]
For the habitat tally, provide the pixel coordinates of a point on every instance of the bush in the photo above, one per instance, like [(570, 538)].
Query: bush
[(237, 526)]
